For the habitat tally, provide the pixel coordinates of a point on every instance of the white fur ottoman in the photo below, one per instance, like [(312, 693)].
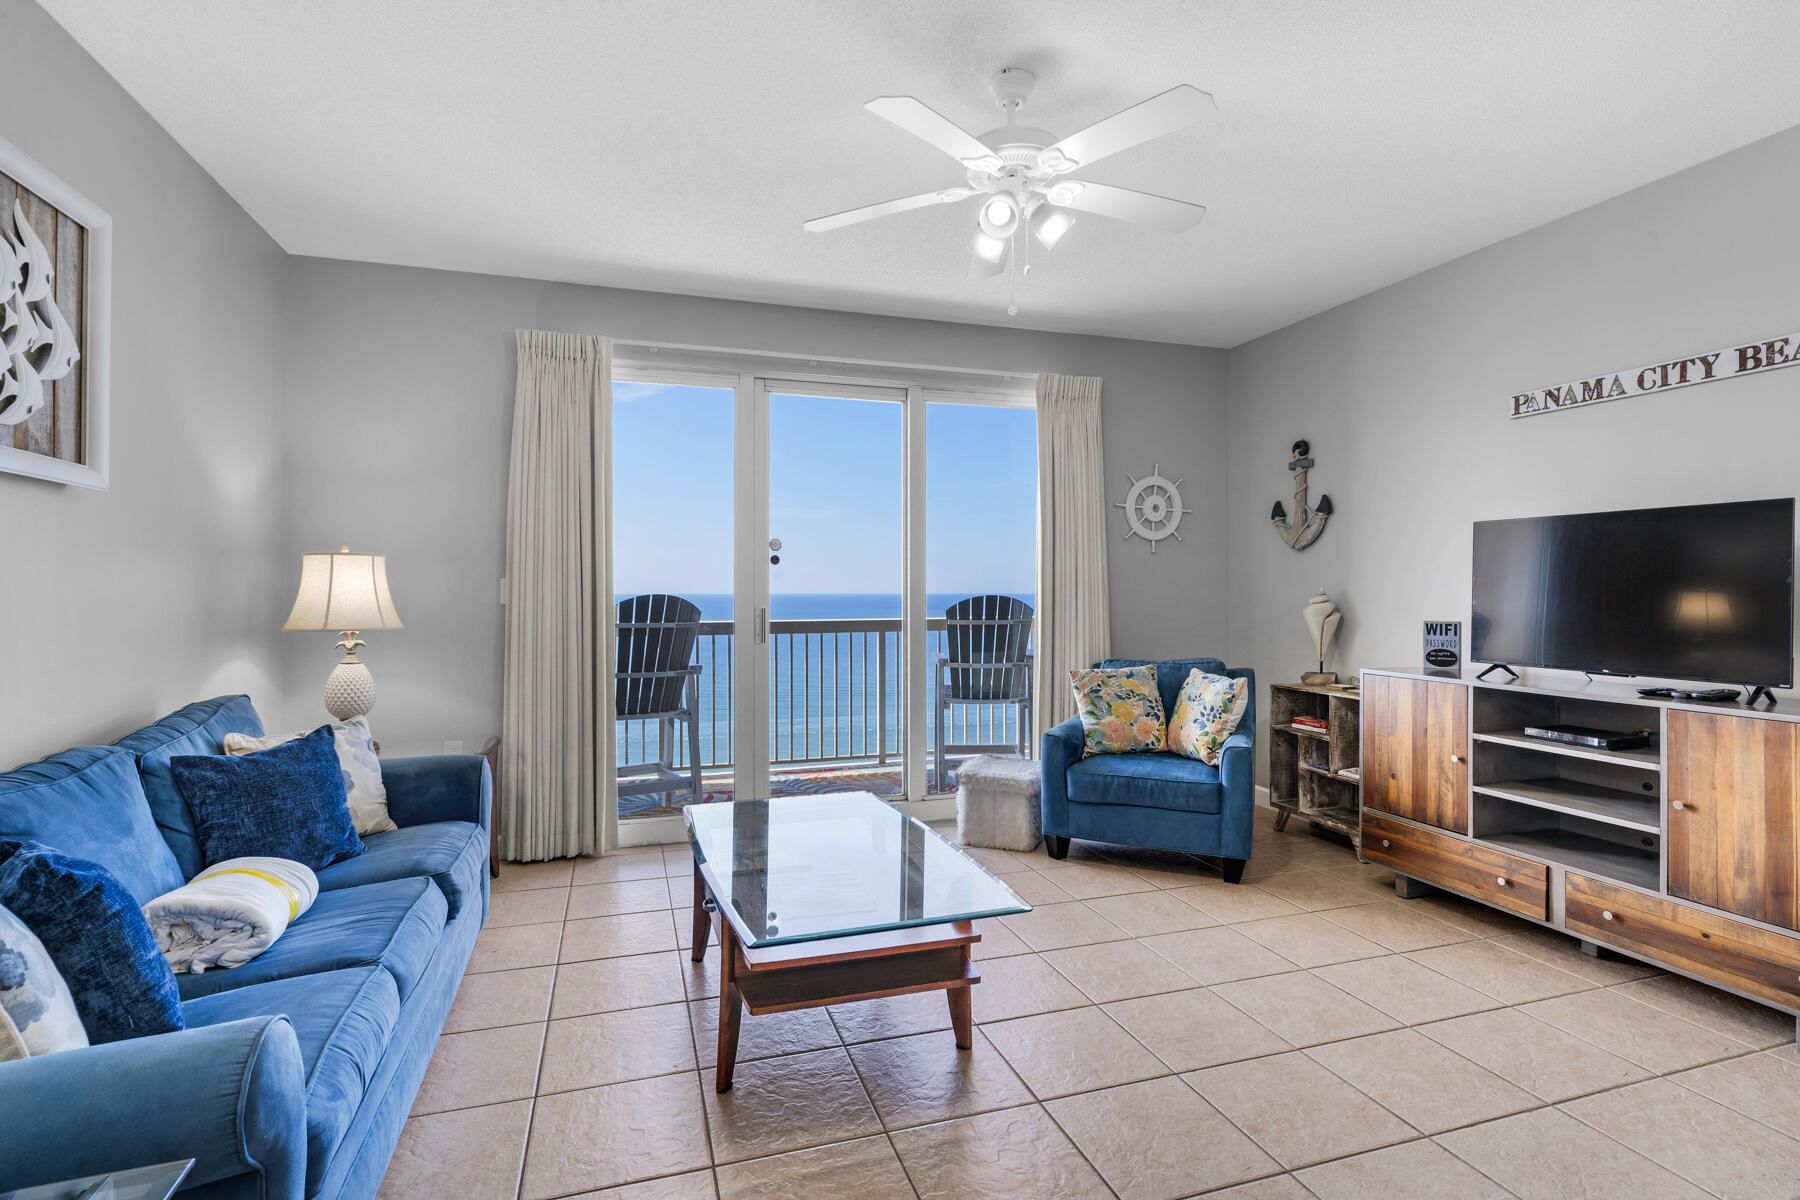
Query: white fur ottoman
[(997, 803)]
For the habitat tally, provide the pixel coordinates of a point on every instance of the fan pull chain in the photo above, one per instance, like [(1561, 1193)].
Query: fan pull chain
[(1021, 252)]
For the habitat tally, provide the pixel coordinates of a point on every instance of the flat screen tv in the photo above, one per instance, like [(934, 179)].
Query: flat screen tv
[(1703, 592)]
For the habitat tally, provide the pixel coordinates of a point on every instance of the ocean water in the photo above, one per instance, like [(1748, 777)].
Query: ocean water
[(832, 695)]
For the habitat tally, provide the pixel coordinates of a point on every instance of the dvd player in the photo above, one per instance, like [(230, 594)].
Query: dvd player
[(1587, 735)]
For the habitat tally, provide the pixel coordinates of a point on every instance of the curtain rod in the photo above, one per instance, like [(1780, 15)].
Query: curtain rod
[(643, 353)]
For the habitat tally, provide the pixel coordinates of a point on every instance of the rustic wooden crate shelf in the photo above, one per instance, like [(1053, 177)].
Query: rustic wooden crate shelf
[(1305, 763)]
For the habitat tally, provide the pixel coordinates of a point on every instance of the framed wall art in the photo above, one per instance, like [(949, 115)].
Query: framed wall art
[(55, 326)]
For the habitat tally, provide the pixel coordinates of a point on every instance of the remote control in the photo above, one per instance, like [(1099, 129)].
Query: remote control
[(1668, 693)]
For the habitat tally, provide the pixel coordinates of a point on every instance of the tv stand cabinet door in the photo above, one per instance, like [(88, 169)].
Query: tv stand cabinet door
[(1416, 750), (1734, 814)]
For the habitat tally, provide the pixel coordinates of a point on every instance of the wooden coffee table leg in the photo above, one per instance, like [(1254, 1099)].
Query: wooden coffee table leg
[(962, 1016), (702, 919), (731, 1007)]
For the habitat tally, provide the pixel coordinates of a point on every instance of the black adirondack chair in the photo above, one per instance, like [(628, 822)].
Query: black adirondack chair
[(657, 679), (986, 660)]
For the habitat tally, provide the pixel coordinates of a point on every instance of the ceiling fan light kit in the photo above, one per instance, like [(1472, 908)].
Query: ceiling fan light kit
[(1049, 224), (1000, 216), (1017, 169)]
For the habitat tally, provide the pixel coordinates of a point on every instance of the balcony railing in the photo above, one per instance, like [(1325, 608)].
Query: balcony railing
[(836, 695)]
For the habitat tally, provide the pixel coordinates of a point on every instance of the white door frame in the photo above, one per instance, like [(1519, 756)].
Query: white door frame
[(750, 599), (912, 602)]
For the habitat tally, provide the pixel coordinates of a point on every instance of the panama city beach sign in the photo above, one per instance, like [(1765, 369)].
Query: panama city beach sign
[(1750, 358)]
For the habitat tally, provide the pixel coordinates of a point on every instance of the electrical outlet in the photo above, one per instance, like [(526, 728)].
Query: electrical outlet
[(453, 747)]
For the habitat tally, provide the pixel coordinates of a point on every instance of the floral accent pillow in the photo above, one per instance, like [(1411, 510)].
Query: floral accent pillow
[(1207, 710), (1121, 710)]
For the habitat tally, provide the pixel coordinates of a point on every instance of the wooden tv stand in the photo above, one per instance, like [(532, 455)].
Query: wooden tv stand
[(1685, 854)]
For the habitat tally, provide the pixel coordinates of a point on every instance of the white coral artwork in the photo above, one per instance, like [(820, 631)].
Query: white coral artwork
[(37, 344)]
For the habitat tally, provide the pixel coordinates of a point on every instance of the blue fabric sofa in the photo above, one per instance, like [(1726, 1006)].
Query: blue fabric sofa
[(1165, 801), (297, 1069)]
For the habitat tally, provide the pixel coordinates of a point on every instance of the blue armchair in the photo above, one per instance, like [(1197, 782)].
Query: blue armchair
[(1164, 801)]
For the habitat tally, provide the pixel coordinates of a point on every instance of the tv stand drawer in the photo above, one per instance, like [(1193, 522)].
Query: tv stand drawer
[(1710, 945), (1505, 880)]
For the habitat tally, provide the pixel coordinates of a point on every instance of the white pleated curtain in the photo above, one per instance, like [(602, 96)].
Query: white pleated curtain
[(558, 574), (1073, 630)]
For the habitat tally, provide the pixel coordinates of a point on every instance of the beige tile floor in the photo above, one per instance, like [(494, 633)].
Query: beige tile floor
[(1149, 1032)]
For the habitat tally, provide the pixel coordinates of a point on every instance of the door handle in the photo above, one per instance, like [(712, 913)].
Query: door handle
[(762, 626)]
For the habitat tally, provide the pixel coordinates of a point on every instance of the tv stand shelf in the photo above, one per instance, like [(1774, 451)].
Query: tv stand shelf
[(1613, 806), (1649, 759), (1678, 853)]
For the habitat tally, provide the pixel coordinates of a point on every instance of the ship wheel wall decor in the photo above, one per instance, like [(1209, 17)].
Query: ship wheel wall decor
[(1307, 523), (1153, 508)]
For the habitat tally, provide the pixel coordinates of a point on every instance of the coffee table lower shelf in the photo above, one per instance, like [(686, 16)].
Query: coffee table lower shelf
[(869, 966)]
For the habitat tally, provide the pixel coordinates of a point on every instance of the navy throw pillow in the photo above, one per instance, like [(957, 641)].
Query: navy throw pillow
[(96, 935), (284, 802)]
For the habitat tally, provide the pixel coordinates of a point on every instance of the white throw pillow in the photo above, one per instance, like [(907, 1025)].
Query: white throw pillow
[(34, 1000), (356, 755)]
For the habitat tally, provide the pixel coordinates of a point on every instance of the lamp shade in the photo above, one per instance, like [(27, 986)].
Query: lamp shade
[(343, 591)]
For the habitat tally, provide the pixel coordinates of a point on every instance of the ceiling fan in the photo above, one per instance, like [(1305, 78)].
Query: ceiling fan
[(1022, 172)]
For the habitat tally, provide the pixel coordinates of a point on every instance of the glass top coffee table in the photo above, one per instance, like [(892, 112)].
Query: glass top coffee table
[(827, 899), (137, 1183)]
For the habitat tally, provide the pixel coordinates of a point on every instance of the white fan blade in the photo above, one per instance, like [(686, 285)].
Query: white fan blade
[(1123, 204), (912, 115), (1174, 109), (869, 212)]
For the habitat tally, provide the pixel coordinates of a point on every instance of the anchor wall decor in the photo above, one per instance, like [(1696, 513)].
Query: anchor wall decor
[(1307, 523)]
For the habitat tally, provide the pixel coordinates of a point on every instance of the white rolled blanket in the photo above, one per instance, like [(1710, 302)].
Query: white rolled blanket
[(231, 912)]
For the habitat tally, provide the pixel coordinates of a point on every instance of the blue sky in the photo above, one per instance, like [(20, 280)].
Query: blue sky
[(836, 499)]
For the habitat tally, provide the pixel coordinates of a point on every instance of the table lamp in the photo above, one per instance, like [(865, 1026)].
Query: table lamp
[(349, 593)]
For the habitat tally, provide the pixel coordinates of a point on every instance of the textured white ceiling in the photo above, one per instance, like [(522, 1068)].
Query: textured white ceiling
[(677, 146)]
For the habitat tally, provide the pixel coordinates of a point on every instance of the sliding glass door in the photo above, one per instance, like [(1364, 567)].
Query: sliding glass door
[(821, 587), (980, 575), (836, 474), (674, 550)]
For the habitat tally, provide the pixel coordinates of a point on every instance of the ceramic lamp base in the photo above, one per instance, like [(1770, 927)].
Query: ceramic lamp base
[(350, 692), (1311, 677)]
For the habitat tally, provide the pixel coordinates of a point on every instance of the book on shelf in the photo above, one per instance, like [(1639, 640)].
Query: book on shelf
[(1311, 723), (1350, 772)]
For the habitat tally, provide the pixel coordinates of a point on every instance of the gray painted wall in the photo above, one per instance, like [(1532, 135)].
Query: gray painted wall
[(1404, 395), (399, 420), (122, 605), (399, 384)]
